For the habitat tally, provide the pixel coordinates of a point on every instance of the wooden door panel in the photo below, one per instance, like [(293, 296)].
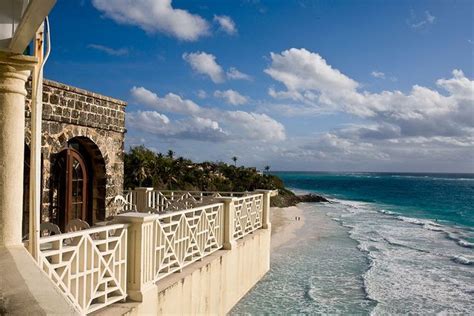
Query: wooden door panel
[(76, 187)]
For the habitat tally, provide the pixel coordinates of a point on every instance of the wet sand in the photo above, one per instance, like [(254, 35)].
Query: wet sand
[(285, 225)]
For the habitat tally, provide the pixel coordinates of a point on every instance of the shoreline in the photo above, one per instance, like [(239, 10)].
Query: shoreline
[(285, 225)]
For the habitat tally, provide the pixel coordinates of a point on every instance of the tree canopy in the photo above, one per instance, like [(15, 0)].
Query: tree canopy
[(144, 167)]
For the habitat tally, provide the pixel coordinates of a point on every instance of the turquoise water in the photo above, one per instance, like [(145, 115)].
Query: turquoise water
[(447, 197), (386, 244)]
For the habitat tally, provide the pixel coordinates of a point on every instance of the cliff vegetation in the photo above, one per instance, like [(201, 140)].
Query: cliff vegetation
[(144, 167)]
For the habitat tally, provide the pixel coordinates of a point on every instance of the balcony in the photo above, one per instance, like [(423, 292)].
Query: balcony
[(158, 234)]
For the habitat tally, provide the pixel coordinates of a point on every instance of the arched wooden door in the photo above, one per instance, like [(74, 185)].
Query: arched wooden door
[(75, 191)]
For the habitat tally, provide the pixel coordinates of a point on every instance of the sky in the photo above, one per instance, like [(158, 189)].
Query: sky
[(297, 85)]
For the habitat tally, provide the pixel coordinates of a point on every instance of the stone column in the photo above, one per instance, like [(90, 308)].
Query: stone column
[(14, 71)]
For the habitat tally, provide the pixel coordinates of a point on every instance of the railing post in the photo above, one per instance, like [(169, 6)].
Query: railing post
[(229, 222), (142, 198), (266, 223), (141, 245)]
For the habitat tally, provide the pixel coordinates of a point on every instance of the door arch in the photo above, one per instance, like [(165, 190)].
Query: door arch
[(79, 183)]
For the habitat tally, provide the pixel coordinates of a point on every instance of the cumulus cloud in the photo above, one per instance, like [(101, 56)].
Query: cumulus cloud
[(310, 79), (226, 24), (170, 103), (231, 97), (200, 123), (234, 74), (155, 16), (194, 127), (205, 64), (394, 119), (109, 50), (303, 71), (254, 126)]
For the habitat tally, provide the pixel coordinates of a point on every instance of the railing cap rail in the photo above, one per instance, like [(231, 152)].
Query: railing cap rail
[(272, 192), (87, 231), (137, 217)]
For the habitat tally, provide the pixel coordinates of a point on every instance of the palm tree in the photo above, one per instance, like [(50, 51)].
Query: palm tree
[(267, 168), (170, 154), (235, 160)]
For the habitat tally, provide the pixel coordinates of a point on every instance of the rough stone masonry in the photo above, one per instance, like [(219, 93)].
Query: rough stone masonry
[(98, 122)]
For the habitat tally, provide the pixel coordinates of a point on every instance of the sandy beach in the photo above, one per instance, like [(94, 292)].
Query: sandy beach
[(285, 224)]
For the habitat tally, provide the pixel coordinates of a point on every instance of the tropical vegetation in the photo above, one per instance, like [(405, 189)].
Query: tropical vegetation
[(144, 167)]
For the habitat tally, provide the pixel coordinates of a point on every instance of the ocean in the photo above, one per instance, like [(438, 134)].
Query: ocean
[(387, 243)]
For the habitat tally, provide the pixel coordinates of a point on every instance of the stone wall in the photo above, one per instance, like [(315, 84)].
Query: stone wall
[(98, 122)]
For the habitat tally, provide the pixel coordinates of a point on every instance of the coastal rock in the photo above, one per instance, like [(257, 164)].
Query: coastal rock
[(311, 198), (287, 198)]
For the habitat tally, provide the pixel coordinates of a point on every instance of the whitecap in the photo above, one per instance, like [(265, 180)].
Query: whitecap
[(462, 260)]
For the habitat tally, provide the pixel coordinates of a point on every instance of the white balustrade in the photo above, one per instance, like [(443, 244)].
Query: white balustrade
[(162, 244), (89, 267), (248, 214), (130, 197), (99, 266), (149, 200)]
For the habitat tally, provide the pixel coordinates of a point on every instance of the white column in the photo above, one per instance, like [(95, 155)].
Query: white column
[(229, 214), (14, 71), (266, 222), (141, 264), (142, 198), (36, 108)]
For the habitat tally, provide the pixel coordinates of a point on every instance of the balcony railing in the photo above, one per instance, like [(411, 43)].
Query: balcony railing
[(167, 231), (150, 200), (88, 266)]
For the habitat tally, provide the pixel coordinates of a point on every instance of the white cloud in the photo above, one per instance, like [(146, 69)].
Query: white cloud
[(226, 24), (312, 81), (417, 23), (170, 103), (253, 126), (231, 96), (155, 16), (235, 74), (377, 74), (395, 121), (194, 127), (199, 122), (299, 69), (205, 64), (201, 94), (108, 50)]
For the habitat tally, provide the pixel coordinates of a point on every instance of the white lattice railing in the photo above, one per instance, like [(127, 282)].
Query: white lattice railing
[(187, 236), (130, 197), (248, 214), (157, 201), (99, 266), (166, 243), (88, 266)]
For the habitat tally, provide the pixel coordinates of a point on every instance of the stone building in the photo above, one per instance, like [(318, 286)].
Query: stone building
[(82, 154)]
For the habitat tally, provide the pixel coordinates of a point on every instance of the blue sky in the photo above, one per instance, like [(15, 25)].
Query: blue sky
[(297, 85)]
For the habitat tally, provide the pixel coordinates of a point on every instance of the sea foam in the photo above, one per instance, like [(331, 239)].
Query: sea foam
[(425, 264)]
